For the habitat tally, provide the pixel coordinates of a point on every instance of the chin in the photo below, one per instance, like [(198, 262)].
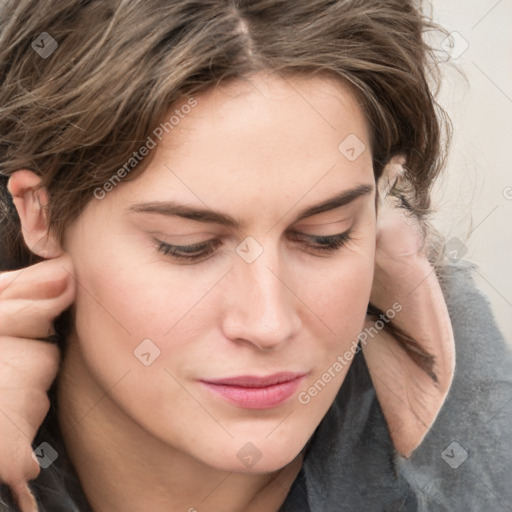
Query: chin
[(263, 457)]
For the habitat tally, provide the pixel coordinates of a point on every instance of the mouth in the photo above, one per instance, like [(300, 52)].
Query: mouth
[(252, 392)]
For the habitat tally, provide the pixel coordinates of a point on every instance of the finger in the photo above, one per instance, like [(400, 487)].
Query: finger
[(16, 463), (44, 280), (21, 413), (22, 410), (25, 318), (17, 433), (26, 362)]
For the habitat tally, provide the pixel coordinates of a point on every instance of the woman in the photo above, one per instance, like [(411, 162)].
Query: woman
[(231, 200)]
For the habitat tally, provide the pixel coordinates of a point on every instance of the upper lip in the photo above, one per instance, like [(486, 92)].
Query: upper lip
[(253, 381)]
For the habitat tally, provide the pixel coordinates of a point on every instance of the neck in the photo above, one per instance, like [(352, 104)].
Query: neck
[(122, 467)]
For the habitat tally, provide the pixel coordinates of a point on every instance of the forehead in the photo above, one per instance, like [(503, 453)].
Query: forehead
[(261, 138), (267, 102)]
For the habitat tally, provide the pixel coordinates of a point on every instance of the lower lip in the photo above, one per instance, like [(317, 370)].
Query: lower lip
[(256, 398)]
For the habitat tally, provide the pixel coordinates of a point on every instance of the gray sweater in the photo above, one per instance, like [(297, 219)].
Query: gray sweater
[(463, 464)]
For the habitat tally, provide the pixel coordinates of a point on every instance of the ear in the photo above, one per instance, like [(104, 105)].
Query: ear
[(31, 201), (391, 172)]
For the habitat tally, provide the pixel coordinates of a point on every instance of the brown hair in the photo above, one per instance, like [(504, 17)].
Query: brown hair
[(77, 115)]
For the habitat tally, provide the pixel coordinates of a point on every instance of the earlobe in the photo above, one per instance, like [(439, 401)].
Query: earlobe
[(30, 201)]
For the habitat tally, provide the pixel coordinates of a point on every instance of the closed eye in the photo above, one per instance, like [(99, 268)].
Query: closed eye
[(323, 245)]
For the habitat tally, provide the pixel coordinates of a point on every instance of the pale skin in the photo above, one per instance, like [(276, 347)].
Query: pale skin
[(259, 153)]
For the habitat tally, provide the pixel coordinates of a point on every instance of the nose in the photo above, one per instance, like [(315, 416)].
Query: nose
[(262, 309)]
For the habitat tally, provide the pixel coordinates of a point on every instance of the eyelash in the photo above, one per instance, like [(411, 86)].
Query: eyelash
[(328, 245)]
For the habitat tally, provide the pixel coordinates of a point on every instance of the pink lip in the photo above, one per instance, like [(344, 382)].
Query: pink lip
[(251, 392)]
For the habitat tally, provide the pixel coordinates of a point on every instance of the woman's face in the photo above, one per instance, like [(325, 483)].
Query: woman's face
[(254, 175)]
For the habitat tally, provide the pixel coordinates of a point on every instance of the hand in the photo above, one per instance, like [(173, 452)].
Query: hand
[(408, 394), (30, 299)]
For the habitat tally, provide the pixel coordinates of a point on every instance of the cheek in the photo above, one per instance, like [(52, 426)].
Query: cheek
[(114, 307), (127, 297), (339, 296)]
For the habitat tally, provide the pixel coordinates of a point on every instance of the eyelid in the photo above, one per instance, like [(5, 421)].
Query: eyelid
[(196, 253), (309, 224), (340, 226), (323, 227), (300, 236), (190, 247), (196, 246), (185, 236), (188, 254)]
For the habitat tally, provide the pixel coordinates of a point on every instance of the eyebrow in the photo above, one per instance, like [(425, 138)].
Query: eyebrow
[(172, 208)]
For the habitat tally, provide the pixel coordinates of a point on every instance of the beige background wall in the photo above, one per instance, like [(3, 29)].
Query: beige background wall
[(474, 197)]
